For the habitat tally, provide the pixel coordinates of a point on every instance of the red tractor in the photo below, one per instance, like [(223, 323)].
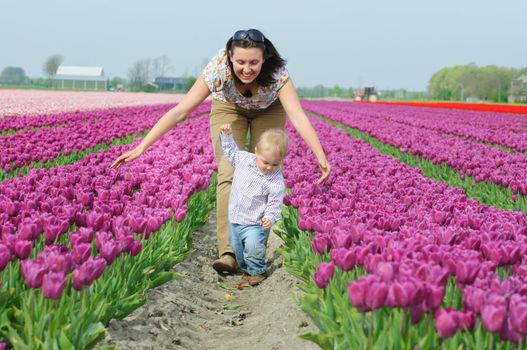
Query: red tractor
[(368, 94)]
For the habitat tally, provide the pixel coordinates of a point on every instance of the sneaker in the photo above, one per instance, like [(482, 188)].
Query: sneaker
[(256, 279), (226, 263)]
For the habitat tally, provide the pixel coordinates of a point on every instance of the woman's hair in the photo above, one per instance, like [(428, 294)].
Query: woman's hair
[(275, 140), (272, 60)]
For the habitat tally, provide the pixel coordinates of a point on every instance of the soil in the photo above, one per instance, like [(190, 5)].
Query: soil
[(193, 313)]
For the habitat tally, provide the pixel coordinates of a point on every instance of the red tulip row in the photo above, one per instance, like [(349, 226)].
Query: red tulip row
[(482, 107)]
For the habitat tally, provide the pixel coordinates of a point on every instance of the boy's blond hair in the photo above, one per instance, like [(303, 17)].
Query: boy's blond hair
[(274, 139)]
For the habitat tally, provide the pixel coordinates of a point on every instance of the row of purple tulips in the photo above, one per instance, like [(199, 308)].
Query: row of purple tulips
[(411, 235), (469, 158)]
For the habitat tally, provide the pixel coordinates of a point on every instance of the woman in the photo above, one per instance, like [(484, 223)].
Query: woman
[(252, 91)]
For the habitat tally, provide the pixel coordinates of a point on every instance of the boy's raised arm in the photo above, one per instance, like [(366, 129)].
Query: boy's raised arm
[(230, 149)]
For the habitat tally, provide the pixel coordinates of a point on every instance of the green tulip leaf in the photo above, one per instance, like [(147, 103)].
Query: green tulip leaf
[(325, 341), (164, 277)]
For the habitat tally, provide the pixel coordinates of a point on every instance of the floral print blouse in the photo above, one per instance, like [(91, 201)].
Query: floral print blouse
[(218, 77)]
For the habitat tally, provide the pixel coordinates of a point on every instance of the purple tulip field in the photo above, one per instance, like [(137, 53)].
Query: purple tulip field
[(80, 242), (404, 261), (416, 241)]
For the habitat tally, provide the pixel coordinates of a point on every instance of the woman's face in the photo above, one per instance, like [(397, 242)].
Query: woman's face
[(247, 63)]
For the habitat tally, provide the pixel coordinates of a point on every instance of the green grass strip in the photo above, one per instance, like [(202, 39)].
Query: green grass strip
[(12, 131), (484, 192)]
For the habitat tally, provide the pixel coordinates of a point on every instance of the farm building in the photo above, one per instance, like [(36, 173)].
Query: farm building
[(170, 83), (81, 78)]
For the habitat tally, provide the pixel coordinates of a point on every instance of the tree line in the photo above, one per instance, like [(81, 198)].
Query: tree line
[(458, 83), (489, 83)]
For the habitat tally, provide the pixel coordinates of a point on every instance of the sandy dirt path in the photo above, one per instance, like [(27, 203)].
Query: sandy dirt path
[(192, 313)]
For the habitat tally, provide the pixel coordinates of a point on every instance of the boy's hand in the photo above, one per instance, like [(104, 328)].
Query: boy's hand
[(266, 224), (226, 129)]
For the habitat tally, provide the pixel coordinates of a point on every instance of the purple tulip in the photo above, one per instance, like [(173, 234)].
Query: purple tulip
[(376, 296), (473, 298), (101, 238), (445, 322), (180, 214), (417, 314), (53, 284), (5, 256), (22, 249), (465, 320), (138, 224), (95, 220), (343, 258), (79, 279), (153, 224), (136, 248), (518, 314), (357, 232), (51, 232), (125, 243), (92, 269), (32, 272), (385, 271), (320, 244), (109, 251), (28, 231), (434, 296), (58, 262), (323, 274), (466, 271), (493, 317), (7, 229), (81, 252), (357, 293)]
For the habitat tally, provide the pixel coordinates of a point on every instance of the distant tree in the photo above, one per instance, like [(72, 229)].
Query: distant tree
[(139, 74), (13, 76), (491, 83), (161, 66), (335, 91), (117, 81), (51, 65)]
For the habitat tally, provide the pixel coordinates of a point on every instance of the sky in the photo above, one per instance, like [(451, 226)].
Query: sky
[(386, 43)]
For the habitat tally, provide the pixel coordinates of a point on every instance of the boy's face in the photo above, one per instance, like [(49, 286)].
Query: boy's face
[(267, 160)]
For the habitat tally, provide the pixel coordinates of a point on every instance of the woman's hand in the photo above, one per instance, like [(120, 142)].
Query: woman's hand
[(126, 157), (325, 169), (226, 129)]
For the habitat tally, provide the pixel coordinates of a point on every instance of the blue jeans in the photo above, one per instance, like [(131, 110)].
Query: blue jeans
[(248, 243)]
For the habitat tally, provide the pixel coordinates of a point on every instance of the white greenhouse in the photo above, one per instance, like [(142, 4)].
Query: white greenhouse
[(80, 78)]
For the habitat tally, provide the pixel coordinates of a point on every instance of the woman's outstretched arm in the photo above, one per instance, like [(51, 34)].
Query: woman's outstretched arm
[(291, 103), (196, 95)]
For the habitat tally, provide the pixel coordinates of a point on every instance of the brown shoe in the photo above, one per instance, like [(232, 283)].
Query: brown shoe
[(256, 279), (226, 263)]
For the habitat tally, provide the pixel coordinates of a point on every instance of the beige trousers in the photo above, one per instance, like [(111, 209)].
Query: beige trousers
[(242, 121)]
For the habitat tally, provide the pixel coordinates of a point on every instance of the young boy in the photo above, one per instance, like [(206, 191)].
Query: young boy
[(256, 195)]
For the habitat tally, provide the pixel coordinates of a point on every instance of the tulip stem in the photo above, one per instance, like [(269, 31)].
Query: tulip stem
[(370, 331)]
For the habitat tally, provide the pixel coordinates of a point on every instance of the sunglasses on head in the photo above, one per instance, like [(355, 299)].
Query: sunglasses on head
[(253, 34)]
